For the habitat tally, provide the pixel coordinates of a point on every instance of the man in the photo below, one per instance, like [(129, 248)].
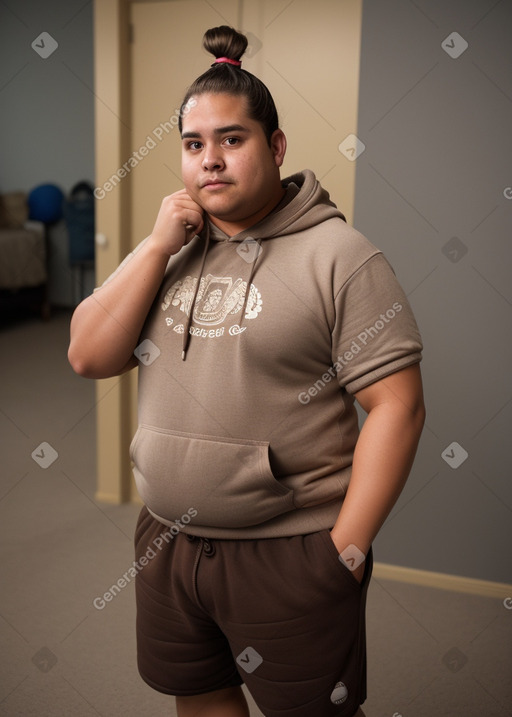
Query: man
[(270, 316)]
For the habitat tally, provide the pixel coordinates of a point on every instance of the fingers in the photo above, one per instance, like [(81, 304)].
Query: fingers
[(180, 218)]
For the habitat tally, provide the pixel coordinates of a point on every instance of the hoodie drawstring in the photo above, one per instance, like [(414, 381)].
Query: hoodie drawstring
[(186, 335), (249, 282)]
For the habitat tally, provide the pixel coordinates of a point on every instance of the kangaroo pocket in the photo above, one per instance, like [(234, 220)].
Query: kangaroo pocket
[(229, 482)]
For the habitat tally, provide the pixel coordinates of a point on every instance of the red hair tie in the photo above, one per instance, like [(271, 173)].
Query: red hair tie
[(228, 60)]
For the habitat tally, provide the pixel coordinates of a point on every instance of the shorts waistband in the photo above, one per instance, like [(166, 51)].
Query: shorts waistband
[(207, 544)]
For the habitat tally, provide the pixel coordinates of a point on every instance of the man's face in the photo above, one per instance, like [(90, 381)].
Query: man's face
[(227, 165)]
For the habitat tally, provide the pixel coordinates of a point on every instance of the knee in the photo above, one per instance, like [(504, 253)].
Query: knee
[(228, 702)]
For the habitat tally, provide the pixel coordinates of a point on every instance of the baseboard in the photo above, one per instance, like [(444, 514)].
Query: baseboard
[(110, 498), (443, 581)]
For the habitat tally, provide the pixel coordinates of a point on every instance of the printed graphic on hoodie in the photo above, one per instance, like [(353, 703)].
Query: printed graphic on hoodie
[(217, 298)]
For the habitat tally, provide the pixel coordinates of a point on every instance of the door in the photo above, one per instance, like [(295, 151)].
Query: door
[(306, 53)]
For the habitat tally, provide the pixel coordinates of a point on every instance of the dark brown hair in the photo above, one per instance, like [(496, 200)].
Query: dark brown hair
[(222, 77)]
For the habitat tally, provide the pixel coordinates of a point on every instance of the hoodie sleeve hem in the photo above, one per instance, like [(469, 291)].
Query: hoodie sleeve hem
[(382, 371)]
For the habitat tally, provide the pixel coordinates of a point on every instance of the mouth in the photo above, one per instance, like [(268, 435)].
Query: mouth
[(214, 183)]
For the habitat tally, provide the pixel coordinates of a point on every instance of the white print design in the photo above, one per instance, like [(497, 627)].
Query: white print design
[(217, 297), (183, 297), (236, 329)]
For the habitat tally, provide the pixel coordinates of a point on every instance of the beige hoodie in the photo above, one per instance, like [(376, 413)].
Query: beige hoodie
[(246, 411)]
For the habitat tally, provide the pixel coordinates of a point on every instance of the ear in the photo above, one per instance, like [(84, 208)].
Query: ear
[(278, 146)]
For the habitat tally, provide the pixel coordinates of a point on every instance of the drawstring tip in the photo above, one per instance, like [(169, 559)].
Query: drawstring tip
[(183, 355)]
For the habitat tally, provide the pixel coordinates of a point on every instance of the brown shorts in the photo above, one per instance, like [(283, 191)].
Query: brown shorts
[(283, 615)]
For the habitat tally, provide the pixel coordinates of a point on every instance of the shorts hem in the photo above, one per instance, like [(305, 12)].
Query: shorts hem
[(236, 681)]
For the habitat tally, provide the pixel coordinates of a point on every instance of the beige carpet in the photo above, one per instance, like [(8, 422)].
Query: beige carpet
[(431, 653)]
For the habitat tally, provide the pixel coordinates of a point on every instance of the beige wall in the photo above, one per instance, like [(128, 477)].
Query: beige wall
[(309, 59), (307, 54)]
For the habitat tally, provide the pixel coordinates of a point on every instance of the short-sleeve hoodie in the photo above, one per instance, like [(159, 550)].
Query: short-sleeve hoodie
[(248, 364)]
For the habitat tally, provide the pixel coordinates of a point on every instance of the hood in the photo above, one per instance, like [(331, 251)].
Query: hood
[(305, 204)]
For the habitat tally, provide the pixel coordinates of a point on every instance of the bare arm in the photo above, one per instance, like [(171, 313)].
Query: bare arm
[(106, 326), (383, 457)]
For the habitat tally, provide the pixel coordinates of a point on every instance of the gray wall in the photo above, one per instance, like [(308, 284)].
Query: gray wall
[(47, 115), (47, 118), (432, 193)]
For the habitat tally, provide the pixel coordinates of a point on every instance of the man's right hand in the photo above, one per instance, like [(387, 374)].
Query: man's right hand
[(178, 221), (106, 327)]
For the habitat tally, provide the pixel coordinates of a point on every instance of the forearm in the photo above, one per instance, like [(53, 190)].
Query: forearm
[(382, 458), (382, 461), (106, 326)]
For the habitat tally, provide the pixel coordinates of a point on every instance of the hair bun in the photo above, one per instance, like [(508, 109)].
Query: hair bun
[(228, 46), (224, 41)]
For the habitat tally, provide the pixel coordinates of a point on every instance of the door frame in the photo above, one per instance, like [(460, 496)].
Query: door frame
[(114, 396)]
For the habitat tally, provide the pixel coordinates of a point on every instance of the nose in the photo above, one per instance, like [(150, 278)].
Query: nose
[(211, 160)]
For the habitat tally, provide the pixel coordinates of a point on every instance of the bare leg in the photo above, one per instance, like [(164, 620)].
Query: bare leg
[(229, 702)]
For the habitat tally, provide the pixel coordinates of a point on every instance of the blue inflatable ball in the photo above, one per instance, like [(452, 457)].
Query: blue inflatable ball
[(45, 203)]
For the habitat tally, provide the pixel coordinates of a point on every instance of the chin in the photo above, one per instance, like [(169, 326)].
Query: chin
[(227, 215)]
